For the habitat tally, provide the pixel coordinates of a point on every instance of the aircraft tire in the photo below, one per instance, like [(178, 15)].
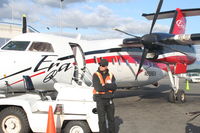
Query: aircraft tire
[(14, 120), (181, 96), (172, 97), (76, 127)]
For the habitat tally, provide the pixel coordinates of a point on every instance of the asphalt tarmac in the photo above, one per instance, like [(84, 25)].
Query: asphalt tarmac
[(147, 110)]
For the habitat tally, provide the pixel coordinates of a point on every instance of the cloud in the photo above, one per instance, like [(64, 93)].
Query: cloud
[(114, 0), (104, 20), (98, 20), (33, 11), (56, 3), (99, 17), (3, 2)]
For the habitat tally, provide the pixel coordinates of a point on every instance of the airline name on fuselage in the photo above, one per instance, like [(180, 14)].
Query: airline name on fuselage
[(52, 68)]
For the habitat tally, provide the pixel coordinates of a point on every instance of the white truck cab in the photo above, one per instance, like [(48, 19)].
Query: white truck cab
[(193, 77)]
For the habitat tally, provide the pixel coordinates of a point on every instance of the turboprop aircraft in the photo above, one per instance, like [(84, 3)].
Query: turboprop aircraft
[(173, 49), (45, 57), (134, 61)]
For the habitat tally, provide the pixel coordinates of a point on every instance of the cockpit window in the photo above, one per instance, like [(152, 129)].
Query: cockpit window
[(16, 45), (41, 47)]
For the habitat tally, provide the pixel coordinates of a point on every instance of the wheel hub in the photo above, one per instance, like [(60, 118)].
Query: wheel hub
[(11, 124), (76, 129), (182, 97)]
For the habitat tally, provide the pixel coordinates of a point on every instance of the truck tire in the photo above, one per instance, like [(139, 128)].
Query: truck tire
[(14, 120), (77, 127)]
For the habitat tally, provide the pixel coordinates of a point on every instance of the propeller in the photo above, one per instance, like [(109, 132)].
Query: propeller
[(152, 40), (148, 39)]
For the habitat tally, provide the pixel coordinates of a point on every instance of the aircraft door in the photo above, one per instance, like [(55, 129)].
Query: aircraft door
[(80, 64)]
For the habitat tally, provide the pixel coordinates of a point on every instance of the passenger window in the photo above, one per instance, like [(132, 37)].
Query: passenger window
[(41, 47), (16, 45)]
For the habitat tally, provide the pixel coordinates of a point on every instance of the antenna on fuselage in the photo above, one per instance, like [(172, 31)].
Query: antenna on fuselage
[(61, 7), (24, 24), (12, 15)]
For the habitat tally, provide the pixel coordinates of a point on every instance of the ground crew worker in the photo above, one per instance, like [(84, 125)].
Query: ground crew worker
[(104, 87)]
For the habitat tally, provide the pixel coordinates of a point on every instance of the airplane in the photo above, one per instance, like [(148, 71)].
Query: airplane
[(175, 49), (134, 61), (45, 57)]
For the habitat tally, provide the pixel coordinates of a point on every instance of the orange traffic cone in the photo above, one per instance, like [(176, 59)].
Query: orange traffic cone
[(50, 123)]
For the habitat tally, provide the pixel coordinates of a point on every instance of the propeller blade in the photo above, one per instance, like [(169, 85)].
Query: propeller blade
[(156, 15), (24, 24), (126, 33), (145, 51)]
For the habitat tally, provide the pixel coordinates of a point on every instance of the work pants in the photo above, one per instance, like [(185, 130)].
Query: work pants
[(105, 108)]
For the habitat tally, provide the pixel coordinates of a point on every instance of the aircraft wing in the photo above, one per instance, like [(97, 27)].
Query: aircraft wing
[(180, 39), (170, 14)]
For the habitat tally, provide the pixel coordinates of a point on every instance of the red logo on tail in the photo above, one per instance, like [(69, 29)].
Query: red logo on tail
[(180, 23)]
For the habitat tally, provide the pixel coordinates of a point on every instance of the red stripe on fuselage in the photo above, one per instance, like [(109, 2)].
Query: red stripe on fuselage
[(121, 58), (37, 74), (136, 59), (30, 76), (125, 59)]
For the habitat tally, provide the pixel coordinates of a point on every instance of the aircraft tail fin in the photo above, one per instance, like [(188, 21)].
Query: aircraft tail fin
[(179, 23)]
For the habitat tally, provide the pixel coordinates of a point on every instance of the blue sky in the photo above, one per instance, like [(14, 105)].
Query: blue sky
[(95, 18)]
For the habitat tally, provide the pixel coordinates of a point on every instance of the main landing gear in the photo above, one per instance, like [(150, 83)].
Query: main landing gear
[(176, 95)]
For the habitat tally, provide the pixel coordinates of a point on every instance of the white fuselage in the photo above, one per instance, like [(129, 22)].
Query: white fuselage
[(63, 63)]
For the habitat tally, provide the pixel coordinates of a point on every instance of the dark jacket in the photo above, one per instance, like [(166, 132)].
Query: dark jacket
[(98, 86)]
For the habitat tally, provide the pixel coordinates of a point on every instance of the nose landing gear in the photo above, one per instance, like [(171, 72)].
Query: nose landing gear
[(176, 95)]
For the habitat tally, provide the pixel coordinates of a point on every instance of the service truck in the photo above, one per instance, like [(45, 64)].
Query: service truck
[(74, 111)]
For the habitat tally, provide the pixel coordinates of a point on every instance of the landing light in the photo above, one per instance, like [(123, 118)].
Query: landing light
[(151, 55)]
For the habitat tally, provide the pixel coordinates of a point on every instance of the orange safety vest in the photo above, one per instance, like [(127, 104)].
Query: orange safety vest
[(102, 82)]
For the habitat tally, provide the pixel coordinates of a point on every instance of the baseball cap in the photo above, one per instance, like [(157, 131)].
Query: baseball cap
[(103, 62)]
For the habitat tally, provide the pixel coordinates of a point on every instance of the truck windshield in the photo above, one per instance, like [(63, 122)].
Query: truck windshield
[(193, 74), (16, 45)]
